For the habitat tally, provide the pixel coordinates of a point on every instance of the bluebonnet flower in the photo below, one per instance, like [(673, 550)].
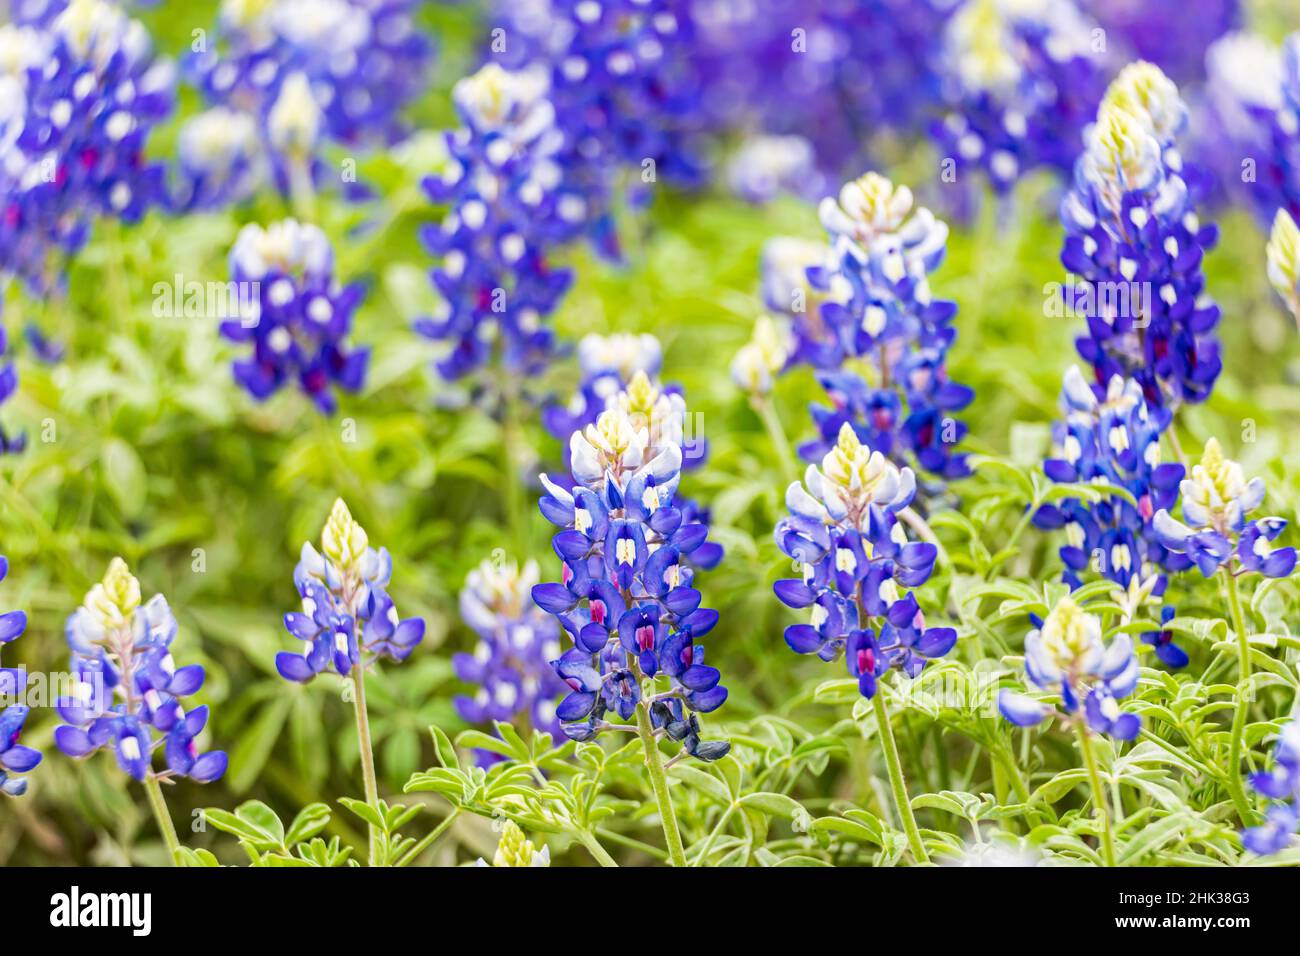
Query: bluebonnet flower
[(859, 570), (606, 364), (1134, 246), (1249, 129), (508, 205), (765, 166), (1162, 641), (294, 312), (1284, 261), (626, 596), (1067, 656), (347, 619), (14, 757), (79, 97), (517, 642), (796, 67), (1216, 500), (1022, 81), (785, 265), (9, 444), (129, 690), (1113, 436), (879, 313), (304, 73), (765, 356), (626, 90), (1173, 34), (1281, 783)]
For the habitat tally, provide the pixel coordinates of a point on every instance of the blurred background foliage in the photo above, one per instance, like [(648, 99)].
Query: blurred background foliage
[(141, 445)]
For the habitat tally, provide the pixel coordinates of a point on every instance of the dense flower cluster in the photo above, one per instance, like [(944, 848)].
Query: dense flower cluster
[(1282, 784), (288, 76), (1134, 246), (877, 315), (1216, 500), (1067, 656), (858, 566), (626, 91), (80, 93), (517, 642), (1173, 34), (294, 312), (1021, 80), (347, 619), (1112, 436), (625, 596), (15, 758), (795, 68), (129, 688), (509, 203)]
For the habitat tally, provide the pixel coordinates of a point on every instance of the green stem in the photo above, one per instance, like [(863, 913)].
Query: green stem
[(713, 834), (595, 849), (165, 825), (411, 855), (659, 782), (1098, 793), (896, 781), (762, 405), (1236, 787), (367, 756), (510, 443)]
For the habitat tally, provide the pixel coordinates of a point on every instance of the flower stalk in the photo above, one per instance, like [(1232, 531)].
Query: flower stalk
[(896, 782)]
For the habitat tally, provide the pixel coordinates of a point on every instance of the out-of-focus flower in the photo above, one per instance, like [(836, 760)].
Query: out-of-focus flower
[(15, 758), (347, 618), (1248, 128), (517, 642), (302, 73), (1134, 247), (1284, 261), (625, 595), (765, 166), (626, 88), (858, 566), (1112, 436), (1021, 81), (294, 312), (509, 203), (1173, 34), (129, 690), (877, 314), (80, 93), (763, 357), (9, 444), (1169, 653), (514, 849), (1216, 500), (1281, 783), (1067, 656), (796, 67)]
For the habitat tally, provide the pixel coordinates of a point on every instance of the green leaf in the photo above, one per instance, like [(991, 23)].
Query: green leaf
[(773, 804), (124, 477), (310, 820), (364, 810), (443, 749)]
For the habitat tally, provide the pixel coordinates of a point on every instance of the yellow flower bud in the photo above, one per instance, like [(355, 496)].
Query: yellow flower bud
[(343, 540), (114, 599), (1284, 260), (515, 850)]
